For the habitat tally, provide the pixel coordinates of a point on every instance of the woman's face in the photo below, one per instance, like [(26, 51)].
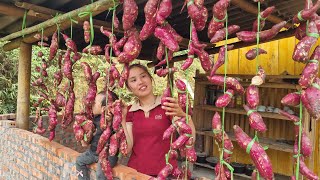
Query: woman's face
[(139, 82)]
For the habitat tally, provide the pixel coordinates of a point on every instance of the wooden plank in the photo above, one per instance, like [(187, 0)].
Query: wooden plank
[(285, 161), (246, 66), (269, 61), (241, 111), (286, 62), (265, 85), (272, 144)]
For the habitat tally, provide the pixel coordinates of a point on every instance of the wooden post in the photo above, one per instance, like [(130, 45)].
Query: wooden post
[(24, 74)]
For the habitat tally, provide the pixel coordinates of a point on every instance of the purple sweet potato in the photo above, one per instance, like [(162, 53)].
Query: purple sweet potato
[(172, 31), (114, 144), (164, 61), (231, 83), (221, 59), (311, 100), (164, 11), (166, 38), (52, 134), (199, 15), (119, 44), (166, 93), (53, 121), (305, 171), (257, 153), (92, 90), (302, 49), (291, 99), (123, 145), (259, 78), (180, 141), (105, 164), (252, 96), (86, 31), (213, 27), (264, 14), (177, 172), (300, 31), (160, 51), (289, 116), (311, 70), (53, 46), (87, 71), (60, 100), (124, 75), (220, 8), (221, 34), (103, 139), (306, 145), (253, 53), (70, 43), (167, 133), (204, 58), (225, 99), (187, 63), (68, 111), (191, 154), (38, 36), (251, 36), (163, 72), (255, 120), (150, 10), (78, 132), (165, 172), (117, 115), (182, 97), (183, 126), (130, 14), (131, 48), (94, 50), (67, 66), (307, 13), (195, 39), (173, 155)]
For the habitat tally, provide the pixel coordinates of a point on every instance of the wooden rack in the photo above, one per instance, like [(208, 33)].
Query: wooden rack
[(279, 136)]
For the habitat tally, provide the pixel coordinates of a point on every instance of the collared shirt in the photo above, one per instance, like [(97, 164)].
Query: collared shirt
[(148, 126)]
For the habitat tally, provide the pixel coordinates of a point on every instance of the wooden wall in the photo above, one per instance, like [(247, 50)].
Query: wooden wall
[(276, 62)]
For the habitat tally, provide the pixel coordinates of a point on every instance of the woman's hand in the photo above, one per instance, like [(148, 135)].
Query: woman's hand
[(172, 108)]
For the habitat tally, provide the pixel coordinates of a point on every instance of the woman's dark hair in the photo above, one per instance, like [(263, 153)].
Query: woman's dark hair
[(141, 67), (112, 94)]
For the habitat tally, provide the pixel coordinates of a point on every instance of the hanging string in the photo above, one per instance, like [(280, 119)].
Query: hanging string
[(58, 26), (256, 138), (71, 26), (221, 160), (108, 69), (24, 22)]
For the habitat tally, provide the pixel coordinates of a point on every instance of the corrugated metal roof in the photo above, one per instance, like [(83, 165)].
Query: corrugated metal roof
[(285, 9)]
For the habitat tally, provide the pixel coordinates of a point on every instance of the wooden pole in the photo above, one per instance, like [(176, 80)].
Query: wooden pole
[(64, 21), (24, 74), (248, 7)]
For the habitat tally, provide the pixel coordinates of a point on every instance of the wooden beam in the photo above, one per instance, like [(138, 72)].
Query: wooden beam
[(49, 13), (246, 6), (50, 25), (240, 44), (24, 74)]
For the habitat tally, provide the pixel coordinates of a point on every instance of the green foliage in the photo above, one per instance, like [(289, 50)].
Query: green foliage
[(8, 81)]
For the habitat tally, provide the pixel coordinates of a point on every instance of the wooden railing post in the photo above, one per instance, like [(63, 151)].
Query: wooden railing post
[(24, 75)]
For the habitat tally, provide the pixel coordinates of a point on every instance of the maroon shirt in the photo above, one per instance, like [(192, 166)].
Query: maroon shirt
[(148, 152)]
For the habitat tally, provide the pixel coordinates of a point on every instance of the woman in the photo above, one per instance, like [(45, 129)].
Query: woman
[(145, 121)]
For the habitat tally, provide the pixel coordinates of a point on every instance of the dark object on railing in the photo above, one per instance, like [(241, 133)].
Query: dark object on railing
[(238, 167), (201, 157), (249, 169)]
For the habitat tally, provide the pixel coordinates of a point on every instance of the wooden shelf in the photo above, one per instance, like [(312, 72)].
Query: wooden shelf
[(242, 112), (272, 144), (210, 167)]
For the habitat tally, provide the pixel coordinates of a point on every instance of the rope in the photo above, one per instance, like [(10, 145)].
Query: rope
[(24, 23), (58, 26), (71, 25)]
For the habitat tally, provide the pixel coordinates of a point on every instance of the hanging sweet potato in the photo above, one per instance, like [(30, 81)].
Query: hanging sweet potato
[(130, 14), (70, 43), (311, 100), (163, 72), (252, 96), (150, 10), (221, 33), (166, 38), (86, 31), (231, 83), (164, 11), (251, 36), (254, 52), (257, 153), (311, 70), (131, 48), (302, 49), (103, 139), (225, 99), (263, 15), (53, 46), (94, 50), (255, 119), (213, 27), (221, 59), (307, 13)]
